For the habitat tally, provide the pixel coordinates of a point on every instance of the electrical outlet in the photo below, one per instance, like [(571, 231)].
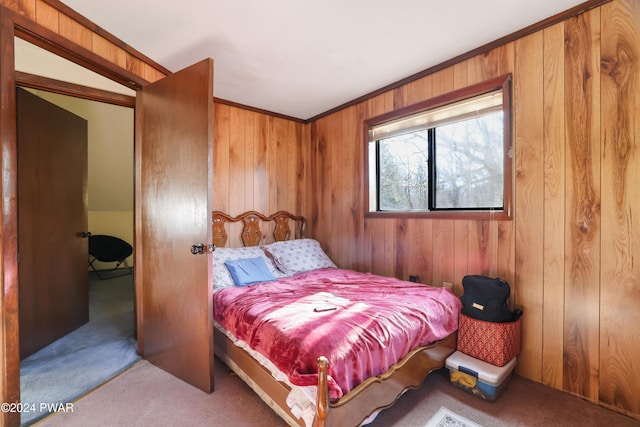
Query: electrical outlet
[(447, 285)]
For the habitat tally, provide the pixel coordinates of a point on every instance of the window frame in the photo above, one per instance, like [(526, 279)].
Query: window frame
[(502, 83)]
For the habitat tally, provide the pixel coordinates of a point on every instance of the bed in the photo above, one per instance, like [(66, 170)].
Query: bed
[(299, 332)]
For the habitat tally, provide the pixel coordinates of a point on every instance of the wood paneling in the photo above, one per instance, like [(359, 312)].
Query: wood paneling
[(109, 51), (257, 163), (23, 7), (352, 184), (47, 16), (582, 198), (569, 264), (75, 32), (568, 253), (619, 368), (238, 145), (554, 207), (529, 179)]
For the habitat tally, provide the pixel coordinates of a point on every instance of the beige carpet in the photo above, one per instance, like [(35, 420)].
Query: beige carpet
[(147, 396)]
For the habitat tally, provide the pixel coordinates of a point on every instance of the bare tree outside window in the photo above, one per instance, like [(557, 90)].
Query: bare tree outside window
[(469, 163), (446, 157), (404, 169)]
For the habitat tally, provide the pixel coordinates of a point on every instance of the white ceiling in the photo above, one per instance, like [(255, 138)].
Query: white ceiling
[(303, 57)]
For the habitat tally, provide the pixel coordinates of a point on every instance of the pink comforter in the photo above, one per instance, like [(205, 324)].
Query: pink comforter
[(370, 322)]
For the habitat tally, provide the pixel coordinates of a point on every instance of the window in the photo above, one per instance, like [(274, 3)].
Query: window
[(448, 157)]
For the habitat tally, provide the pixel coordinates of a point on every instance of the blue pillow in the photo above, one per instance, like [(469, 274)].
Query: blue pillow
[(248, 271)]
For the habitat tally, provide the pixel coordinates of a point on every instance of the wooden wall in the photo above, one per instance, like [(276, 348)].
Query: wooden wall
[(260, 162), (617, 362), (61, 20), (569, 251)]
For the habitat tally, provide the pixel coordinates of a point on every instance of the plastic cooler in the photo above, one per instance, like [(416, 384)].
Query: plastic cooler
[(477, 377)]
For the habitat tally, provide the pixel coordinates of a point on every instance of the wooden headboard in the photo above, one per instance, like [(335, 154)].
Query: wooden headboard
[(252, 234)]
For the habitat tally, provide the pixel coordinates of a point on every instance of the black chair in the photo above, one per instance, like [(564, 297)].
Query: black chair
[(109, 249)]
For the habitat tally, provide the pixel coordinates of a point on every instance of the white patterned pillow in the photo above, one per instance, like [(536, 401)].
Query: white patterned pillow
[(221, 276), (297, 256)]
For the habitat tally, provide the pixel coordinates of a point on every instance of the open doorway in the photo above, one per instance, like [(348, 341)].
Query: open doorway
[(173, 196), (99, 349)]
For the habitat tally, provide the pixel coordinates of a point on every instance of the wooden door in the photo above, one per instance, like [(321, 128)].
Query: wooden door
[(174, 133), (52, 214)]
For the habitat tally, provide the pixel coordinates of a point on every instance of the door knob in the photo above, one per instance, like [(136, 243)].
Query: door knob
[(85, 234), (198, 249)]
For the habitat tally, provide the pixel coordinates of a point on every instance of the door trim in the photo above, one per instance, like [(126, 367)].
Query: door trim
[(9, 333), (70, 89), (58, 45), (15, 25)]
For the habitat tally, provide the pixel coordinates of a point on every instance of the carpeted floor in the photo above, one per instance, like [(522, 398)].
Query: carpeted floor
[(87, 357), (147, 396)]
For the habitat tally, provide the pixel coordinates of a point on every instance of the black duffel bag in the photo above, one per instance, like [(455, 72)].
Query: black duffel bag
[(485, 298)]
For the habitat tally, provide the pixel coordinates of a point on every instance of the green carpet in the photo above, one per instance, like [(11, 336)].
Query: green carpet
[(87, 357)]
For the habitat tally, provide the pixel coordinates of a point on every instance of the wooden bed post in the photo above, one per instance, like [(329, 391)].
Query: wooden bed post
[(322, 404)]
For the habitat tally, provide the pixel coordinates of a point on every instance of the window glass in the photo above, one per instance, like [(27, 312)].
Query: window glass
[(403, 163), (450, 154), (469, 166)]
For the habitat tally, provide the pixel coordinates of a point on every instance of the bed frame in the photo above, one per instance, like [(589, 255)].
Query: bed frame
[(367, 398)]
